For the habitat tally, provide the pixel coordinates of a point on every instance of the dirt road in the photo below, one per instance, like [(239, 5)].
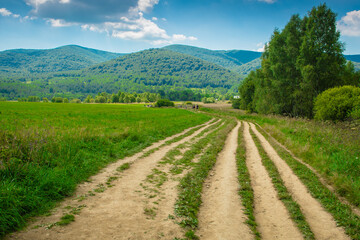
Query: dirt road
[(137, 201)]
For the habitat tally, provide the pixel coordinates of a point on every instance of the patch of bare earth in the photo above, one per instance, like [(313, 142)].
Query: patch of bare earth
[(221, 214), (321, 222), (273, 220), (120, 211)]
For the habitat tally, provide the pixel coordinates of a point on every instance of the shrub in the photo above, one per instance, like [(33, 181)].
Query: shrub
[(164, 103), (33, 99), (208, 100), (337, 103), (236, 103), (57, 100), (75, 100), (2, 99), (65, 100), (44, 99)]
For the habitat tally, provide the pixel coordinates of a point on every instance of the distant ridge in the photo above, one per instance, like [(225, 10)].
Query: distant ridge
[(228, 59), (65, 58)]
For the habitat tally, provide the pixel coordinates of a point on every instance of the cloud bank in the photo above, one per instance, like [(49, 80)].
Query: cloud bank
[(122, 19), (349, 25)]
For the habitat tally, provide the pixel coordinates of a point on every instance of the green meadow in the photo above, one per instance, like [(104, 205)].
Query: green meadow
[(46, 149)]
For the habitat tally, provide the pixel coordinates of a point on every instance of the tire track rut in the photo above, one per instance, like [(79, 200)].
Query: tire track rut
[(117, 213), (273, 220), (321, 222), (221, 214)]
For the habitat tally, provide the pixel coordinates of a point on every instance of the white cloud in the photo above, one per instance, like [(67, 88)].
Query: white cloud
[(260, 47), (267, 1), (123, 19), (349, 25), (4, 12), (59, 23), (146, 5)]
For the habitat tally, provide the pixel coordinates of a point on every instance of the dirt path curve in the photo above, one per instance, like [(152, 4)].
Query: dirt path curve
[(321, 222), (271, 215), (117, 213), (221, 215)]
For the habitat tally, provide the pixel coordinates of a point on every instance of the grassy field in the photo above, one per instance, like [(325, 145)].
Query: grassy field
[(47, 149)]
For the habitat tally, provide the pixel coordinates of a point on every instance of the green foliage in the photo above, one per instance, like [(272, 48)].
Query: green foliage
[(72, 57), (75, 100), (57, 100), (46, 149), (66, 219), (45, 100), (235, 103), (337, 103), (164, 103), (300, 62), (33, 99), (208, 100), (227, 59)]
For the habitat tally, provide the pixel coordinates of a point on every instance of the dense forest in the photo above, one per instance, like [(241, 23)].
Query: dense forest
[(24, 62), (300, 62), (177, 76)]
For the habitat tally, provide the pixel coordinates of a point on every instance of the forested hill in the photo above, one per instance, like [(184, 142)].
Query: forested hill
[(71, 57), (159, 67), (227, 59)]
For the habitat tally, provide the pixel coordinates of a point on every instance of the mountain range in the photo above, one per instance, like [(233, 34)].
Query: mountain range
[(77, 71)]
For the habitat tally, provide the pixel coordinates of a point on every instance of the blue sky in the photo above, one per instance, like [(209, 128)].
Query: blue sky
[(133, 25)]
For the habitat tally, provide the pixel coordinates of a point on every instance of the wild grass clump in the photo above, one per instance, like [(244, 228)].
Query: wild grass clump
[(47, 149)]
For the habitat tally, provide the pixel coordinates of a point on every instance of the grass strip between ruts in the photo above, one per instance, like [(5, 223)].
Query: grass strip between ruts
[(246, 191)]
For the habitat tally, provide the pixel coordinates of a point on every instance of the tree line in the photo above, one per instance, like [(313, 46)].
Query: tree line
[(300, 62)]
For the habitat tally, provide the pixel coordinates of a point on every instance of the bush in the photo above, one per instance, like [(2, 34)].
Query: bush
[(236, 103), (33, 99), (57, 100), (338, 103), (208, 100), (75, 100), (44, 99), (164, 103), (65, 100)]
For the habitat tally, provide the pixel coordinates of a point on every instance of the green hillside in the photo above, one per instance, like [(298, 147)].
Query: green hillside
[(246, 68), (149, 70), (72, 57), (227, 59)]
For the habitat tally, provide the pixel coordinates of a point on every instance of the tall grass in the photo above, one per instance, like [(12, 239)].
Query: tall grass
[(47, 149)]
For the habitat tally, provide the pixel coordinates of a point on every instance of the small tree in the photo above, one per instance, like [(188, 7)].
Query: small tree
[(45, 100), (75, 100), (164, 103)]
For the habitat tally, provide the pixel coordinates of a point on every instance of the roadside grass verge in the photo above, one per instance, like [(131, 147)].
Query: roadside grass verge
[(190, 188), (342, 213), (282, 192), (47, 149), (246, 191)]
